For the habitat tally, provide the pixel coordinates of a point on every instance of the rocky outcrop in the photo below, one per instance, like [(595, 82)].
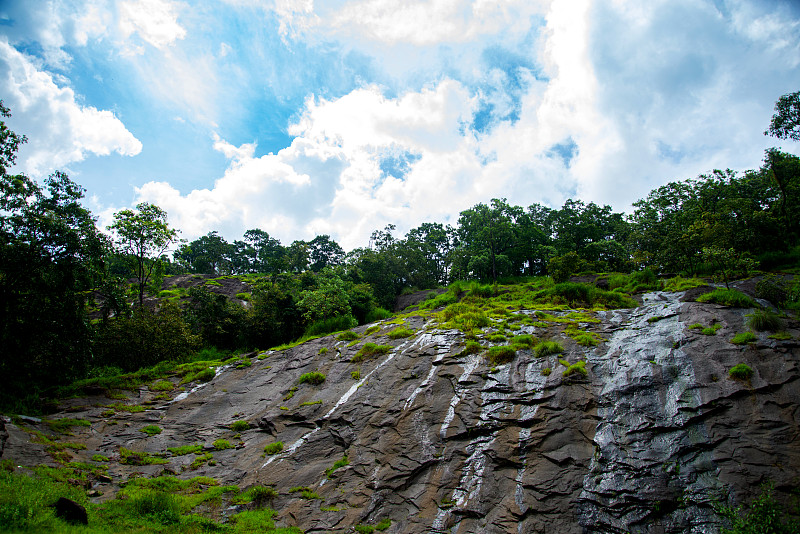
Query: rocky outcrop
[(649, 440)]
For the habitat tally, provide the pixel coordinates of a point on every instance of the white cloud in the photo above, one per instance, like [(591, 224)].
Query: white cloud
[(60, 130), (156, 21)]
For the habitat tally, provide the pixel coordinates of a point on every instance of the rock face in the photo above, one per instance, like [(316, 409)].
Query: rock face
[(648, 440)]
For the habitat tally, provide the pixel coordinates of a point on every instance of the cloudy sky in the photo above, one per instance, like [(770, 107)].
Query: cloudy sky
[(340, 116)]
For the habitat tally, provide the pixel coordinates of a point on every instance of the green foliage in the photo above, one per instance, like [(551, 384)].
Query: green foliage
[(465, 317), (744, 338), (337, 465), (560, 268), (130, 457), (583, 295), (377, 314), (347, 336), (781, 336), (471, 347), (64, 425), (368, 350), (331, 324), (546, 371), (577, 367), (162, 385), (774, 289), (741, 371), (313, 378), (371, 330), (222, 444), (256, 494), (185, 449), (305, 492), (727, 297), (151, 430), (765, 320), (679, 283), (369, 529), (710, 330), (273, 448), (500, 354), (765, 516), (240, 426), (399, 333), (547, 347), (203, 375), (523, 341)]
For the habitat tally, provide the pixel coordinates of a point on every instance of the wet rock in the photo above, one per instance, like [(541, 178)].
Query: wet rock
[(70, 511)]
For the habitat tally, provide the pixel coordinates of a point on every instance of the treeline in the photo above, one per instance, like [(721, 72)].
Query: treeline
[(55, 264)]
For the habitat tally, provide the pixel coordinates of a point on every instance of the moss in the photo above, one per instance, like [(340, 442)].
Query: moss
[(273, 448), (151, 430), (305, 492), (356, 375), (313, 378), (222, 444), (711, 330), (311, 403), (781, 336), (130, 457), (323, 351), (744, 338), (162, 385), (64, 425), (370, 349), (100, 458), (740, 372), (524, 341), (201, 460), (185, 449), (349, 335), (471, 347), (400, 333), (372, 329), (496, 338), (577, 367), (546, 371), (727, 297)]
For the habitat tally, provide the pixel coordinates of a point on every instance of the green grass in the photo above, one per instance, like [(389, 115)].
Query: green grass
[(185, 449), (370, 349), (162, 385), (273, 448), (578, 367), (546, 371), (711, 330), (151, 430), (578, 295), (548, 347), (63, 426), (313, 378), (744, 338), (369, 529), (130, 457), (727, 297), (500, 354), (256, 494), (356, 375), (305, 492), (781, 336), (523, 341), (400, 333), (311, 403), (682, 284), (347, 336), (765, 320), (471, 347), (371, 330), (337, 465), (740, 372), (240, 426), (222, 444)]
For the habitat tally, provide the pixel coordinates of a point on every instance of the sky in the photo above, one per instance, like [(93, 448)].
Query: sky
[(339, 117)]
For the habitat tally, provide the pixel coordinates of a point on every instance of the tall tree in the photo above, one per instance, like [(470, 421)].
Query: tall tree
[(144, 236), (324, 252), (488, 230), (785, 123)]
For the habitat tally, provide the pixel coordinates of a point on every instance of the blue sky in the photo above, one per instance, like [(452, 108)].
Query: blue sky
[(339, 117)]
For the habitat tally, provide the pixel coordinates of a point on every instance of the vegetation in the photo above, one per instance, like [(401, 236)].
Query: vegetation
[(222, 444), (337, 465), (313, 378), (744, 338), (764, 516), (727, 297), (368, 350), (240, 426), (500, 354), (151, 430), (765, 320), (273, 448), (741, 371), (548, 347)]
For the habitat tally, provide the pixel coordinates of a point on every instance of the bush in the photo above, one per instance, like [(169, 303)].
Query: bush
[(377, 314), (331, 324), (727, 297), (682, 284), (583, 295), (347, 336), (240, 426), (774, 289), (743, 338), (766, 516), (313, 378), (763, 320), (560, 268), (741, 372), (501, 354)]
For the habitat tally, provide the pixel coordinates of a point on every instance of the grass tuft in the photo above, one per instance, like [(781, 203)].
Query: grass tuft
[(744, 338), (740, 372)]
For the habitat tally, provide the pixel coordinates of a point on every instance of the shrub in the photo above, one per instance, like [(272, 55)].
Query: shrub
[(583, 295), (162, 385), (273, 448), (313, 378), (744, 337), (257, 495), (763, 320), (370, 349), (331, 324), (577, 367), (766, 516), (239, 426), (336, 465), (548, 347), (560, 268), (377, 314), (501, 354), (727, 297), (151, 430), (471, 347), (222, 444), (399, 333), (774, 289), (347, 336), (741, 372), (523, 341)]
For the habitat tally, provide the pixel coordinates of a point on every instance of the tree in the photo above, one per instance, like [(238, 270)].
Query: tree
[(490, 230), (785, 123), (144, 236), (324, 252)]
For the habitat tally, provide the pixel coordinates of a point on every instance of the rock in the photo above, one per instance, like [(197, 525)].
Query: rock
[(70, 511)]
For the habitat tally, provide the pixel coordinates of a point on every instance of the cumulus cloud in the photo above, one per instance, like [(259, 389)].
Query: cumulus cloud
[(155, 21), (60, 130)]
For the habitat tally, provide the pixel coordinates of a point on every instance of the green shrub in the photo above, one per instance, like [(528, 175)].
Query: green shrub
[(185, 449), (763, 320), (727, 297), (331, 324), (401, 332), (774, 289), (682, 284), (337, 465), (781, 336), (151, 430), (500, 354), (313, 378), (162, 385), (370, 349), (548, 347), (273, 448), (377, 314), (349, 335), (583, 296), (765, 516), (523, 341), (741, 372), (240, 426), (471, 347), (743, 338), (222, 444), (257, 495), (203, 375), (577, 367)]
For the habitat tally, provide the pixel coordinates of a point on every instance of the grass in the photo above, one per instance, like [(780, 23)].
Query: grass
[(500, 354), (682, 284), (305, 492), (578, 367), (162, 385), (781, 336), (471, 347), (313, 378), (356, 375), (185, 449), (222, 444), (578, 295), (711, 330), (256, 494), (151, 430), (765, 320), (370, 349), (400, 333), (548, 347), (740, 372), (311, 403), (130, 457), (63, 426), (523, 341), (377, 314), (240, 426), (546, 371), (744, 338), (347, 336), (369, 529), (273, 448), (727, 297), (371, 330), (338, 464)]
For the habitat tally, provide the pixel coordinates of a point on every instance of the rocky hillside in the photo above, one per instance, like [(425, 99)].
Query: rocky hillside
[(419, 427)]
